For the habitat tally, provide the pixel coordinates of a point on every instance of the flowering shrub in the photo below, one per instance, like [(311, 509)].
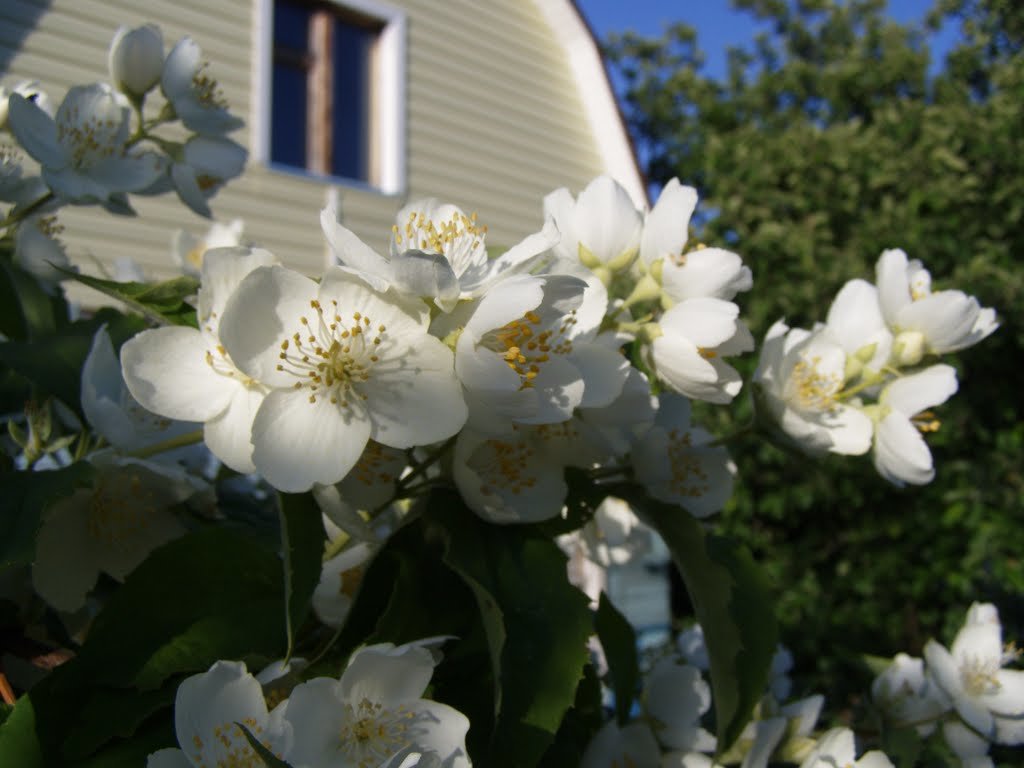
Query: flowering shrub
[(361, 482)]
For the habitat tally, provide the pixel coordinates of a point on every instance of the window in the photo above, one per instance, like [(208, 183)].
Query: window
[(333, 90)]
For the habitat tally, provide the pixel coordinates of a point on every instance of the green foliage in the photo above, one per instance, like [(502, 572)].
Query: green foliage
[(828, 142), (302, 544), (731, 601), (164, 303), (26, 496), (619, 643)]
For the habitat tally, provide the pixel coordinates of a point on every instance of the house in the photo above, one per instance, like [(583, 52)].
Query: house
[(489, 104)]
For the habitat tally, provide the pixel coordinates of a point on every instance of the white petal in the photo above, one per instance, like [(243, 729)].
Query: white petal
[(850, 430), (297, 443), (166, 370), (946, 673), (708, 272), (855, 317), (560, 206), (603, 371), (893, 284), (387, 675), (707, 322), (222, 271), (415, 399), (228, 435), (316, 712), (606, 220), (443, 731), (1009, 699), (350, 251), (475, 282), (910, 395), (901, 454), (666, 226), (65, 567), (36, 131), (186, 184), (946, 318), (265, 310)]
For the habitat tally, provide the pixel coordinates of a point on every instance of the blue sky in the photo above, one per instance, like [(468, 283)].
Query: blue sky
[(718, 26)]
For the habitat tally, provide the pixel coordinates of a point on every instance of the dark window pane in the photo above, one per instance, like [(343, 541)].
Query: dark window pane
[(288, 86), (351, 117)]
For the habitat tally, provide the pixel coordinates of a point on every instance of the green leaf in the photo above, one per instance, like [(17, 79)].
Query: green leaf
[(212, 594), (619, 642), (537, 624), (26, 496), (108, 713), (19, 744), (732, 602), (58, 372), (162, 303), (302, 543), (26, 310), (579, 725)]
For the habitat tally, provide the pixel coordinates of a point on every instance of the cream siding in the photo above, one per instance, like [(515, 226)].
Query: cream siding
[(494, 121)]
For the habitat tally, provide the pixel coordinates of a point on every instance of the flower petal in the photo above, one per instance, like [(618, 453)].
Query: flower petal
[(166, 370), (228, 436), (297, 443)]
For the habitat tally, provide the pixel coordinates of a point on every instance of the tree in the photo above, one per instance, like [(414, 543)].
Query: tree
[(827, 142)]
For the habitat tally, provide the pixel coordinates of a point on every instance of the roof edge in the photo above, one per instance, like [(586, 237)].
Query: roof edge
[(602, 110)]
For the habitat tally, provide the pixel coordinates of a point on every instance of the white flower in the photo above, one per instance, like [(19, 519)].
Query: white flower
[(30, 90), (627, 417), (374, 712), (675, 696), (676, 464), (188, 250), (109, 527), (207, 162), (613, 747), (516, 357), (109, 406), (518, 477), (900, 452), (195, 95), (136, 59), (601, 228), (703, 272), (907, 696), (615, 534), (339, 579), (801, 374), (836, 748), (83, 150), (39, 251), (926, 322), (437, 253), (692, 339), (345, 364), (184, 373), (988, 697), (855, 321), (207, 710)]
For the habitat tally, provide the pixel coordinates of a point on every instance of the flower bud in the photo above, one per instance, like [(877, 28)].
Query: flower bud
[(136, 59), (909, 348)]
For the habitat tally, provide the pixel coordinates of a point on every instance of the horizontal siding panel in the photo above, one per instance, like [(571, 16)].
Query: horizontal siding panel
[(492, 114)]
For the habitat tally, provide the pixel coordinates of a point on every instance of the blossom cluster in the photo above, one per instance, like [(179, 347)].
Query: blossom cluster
[(669, 730), (101, 143), (374, 716), (965, 689), (879, 341), (516, 360)]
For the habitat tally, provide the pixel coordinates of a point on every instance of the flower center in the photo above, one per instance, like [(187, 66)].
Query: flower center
[(688, 476), (812, 389), (504, 467), (232, 749), (979, 675), (88, 140), (206, 89), (525, 347), (460, 239), (370, 734), (332, 358), (118, 516)]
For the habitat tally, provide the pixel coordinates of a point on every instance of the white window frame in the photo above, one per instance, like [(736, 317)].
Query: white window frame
[(390, 120)]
